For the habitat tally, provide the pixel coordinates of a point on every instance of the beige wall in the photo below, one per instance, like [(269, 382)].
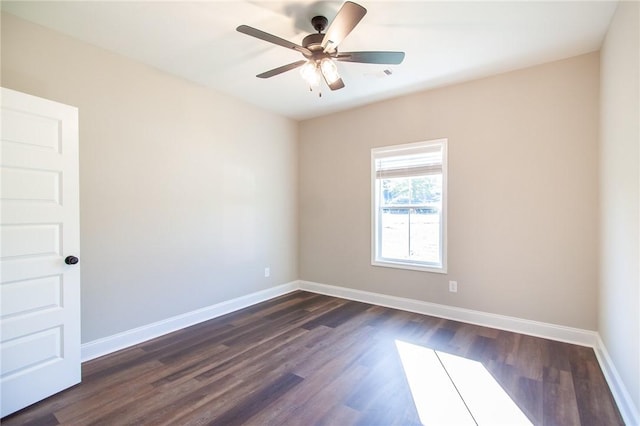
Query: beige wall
[(186, 194), (523, 213), (619, 301)]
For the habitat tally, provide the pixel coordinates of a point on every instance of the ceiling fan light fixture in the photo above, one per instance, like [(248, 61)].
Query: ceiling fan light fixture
[(309, 72), (329, 70)]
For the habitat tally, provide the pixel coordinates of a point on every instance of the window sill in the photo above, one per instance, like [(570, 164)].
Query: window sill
[(409, 266)]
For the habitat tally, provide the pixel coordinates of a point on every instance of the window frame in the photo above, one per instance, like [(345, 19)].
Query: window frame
[(376, 223)]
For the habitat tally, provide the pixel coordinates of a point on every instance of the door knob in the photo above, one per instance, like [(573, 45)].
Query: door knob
[(71, 260)]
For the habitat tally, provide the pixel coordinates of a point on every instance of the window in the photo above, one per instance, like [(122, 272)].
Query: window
[(409, 206)]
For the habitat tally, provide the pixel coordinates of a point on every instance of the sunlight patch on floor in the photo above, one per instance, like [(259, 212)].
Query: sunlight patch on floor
[(452, 390)]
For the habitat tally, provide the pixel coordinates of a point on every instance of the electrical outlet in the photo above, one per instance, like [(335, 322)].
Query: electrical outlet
[(453, 286), (267, 272)]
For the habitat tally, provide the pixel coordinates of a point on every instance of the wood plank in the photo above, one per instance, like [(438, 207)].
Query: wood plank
[(258, 401), (559, 398)]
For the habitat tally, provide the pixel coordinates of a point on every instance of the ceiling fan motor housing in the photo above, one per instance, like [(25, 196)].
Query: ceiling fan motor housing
[(313, 42)]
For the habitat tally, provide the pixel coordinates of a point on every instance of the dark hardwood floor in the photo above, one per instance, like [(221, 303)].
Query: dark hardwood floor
[(307, 359)]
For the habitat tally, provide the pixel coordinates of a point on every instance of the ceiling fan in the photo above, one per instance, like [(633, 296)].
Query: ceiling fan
[(321, 50)]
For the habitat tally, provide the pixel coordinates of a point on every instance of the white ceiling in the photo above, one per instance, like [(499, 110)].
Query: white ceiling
[(445, 42)]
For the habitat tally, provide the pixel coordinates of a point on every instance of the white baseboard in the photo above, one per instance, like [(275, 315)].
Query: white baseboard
[(629, 411), (107, 345), (533, 328)]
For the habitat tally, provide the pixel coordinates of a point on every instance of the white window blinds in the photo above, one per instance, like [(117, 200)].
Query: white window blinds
[(426, 160)]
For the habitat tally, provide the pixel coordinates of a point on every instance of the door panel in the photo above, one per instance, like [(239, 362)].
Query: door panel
[(33, 185), (39, 227), (30, 296)]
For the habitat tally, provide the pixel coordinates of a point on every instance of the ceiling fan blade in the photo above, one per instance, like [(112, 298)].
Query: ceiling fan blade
[(281, 69), (391, 58), (254, 32), (345, 21)]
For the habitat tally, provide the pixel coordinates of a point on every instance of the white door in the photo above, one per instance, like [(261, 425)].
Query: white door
[(39, 228)]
